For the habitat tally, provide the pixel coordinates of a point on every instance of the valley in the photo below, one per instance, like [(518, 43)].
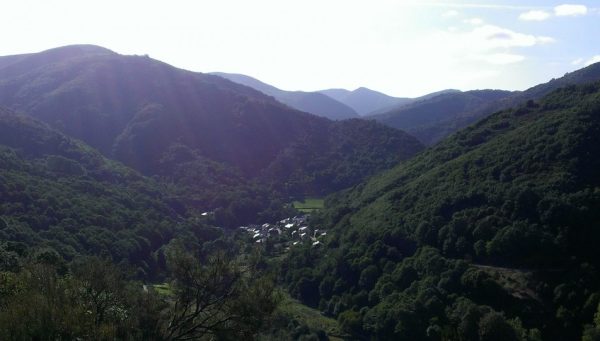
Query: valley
[(144, 201)]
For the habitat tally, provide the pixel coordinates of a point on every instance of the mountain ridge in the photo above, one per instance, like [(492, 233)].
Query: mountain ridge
[(311, 102), (364, 100), (435, 130), (448, 108), (137, 109)]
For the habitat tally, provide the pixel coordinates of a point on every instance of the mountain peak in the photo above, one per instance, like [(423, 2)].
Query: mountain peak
[(363, 100), (67, 51), (367, 90), (80, 49), (315, 103), (15, 64)]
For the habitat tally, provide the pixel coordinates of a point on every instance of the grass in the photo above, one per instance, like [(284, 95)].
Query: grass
[(309, 205), (519, 283), (310, 316), (163, 289)]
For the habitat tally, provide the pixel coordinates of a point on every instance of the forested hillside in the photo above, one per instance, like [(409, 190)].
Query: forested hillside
[(59, 193), (432, 119), (78, 235), (490, 235), (145, 197), (161, 120)]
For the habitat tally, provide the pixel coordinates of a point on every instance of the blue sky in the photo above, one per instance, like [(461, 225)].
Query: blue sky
[(401, 47)]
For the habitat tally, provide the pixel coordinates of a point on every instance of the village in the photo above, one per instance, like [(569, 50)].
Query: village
[(292, 231)]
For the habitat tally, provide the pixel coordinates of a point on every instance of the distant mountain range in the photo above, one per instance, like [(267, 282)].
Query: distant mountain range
[(364, 100), (429, 118), (335, 104), (434, 118), (311, 102), (386, 109), (369, 102)]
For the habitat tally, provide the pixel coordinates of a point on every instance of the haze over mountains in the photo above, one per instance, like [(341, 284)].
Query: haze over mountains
[(334, 104), (364, 100), (312, 102)]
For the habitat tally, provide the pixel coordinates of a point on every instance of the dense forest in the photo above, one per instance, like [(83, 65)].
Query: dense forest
[(490, 235), (59, 193), (128, 189), (79, 234)]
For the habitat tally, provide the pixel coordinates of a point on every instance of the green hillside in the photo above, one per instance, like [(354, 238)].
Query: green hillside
[(435, 117), (59, 193), (516, 191), (78, 234)]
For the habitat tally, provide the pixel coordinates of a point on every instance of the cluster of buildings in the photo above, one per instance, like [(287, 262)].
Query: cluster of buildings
[(292, 230)]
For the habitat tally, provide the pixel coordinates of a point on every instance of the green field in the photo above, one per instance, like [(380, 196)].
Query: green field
[(163, 289), (309, 205)]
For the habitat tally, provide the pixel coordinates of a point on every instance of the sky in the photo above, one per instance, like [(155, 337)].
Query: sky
[(404, 48)]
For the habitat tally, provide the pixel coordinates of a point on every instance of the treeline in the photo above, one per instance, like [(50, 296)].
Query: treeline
[(491, 232)]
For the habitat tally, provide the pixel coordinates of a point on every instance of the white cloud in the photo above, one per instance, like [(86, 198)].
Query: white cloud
[(474, 21), (450, 14), (467, 57), (534, 15), (487, 45), (593, 60), (492, 37), (559, 11), (577, 61), (570, 10)]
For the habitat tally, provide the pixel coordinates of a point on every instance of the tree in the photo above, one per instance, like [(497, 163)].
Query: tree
[(493, 326), (216, 297), (102, 289)]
